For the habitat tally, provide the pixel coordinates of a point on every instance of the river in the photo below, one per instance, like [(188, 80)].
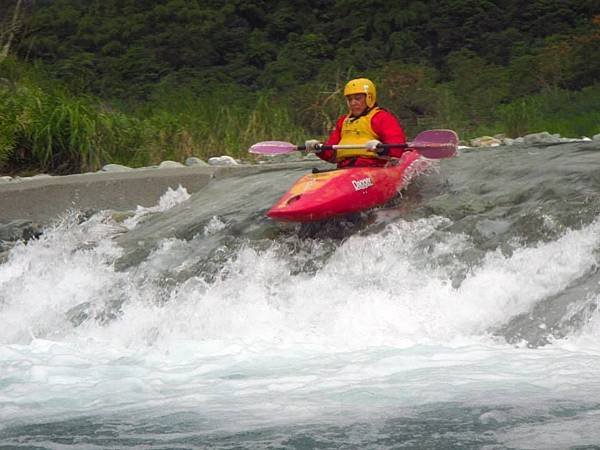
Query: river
[(462, 315)]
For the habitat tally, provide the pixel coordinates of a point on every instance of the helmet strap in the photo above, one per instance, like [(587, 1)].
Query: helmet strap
[(364, 113)]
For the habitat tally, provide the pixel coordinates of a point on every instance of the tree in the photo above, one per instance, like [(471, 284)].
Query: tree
[(8, 31)]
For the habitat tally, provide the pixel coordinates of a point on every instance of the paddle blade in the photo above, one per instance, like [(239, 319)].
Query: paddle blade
[(272, 148), (436, 144)]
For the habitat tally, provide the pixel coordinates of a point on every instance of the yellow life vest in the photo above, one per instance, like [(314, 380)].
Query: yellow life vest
[(357, 131)]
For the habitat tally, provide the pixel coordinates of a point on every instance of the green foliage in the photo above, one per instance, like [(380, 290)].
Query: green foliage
[(137, 82), (54, 132), (45, 129), (573, 114), (207, 126), (123, 49), (482, 86), (520, 117)]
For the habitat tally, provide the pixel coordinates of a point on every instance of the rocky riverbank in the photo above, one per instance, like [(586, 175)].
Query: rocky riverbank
[(543, 138), (42, 197), (28, 204)]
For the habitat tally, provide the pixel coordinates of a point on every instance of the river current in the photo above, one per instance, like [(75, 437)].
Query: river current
[(462, 315)]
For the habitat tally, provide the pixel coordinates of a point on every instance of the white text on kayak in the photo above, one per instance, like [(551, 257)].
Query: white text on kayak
[(362, 184)]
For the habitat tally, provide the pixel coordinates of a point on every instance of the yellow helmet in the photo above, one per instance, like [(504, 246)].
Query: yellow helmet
[(362, 86)]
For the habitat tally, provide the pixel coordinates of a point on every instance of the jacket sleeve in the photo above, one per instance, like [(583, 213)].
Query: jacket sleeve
[(334, 138), (388, 128)]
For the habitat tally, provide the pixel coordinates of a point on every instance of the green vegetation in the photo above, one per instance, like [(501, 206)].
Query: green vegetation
[(44, 128), (84, 83), (569, 113)]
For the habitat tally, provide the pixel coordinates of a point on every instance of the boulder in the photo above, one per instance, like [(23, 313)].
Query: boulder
[(485, 141), (222, 161), (16, 230), (542, 138), (193, 161), (115, 168), (170, 165)]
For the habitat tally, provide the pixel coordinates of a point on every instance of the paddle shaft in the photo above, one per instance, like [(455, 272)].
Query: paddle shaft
[(433, 144), (320, 147)]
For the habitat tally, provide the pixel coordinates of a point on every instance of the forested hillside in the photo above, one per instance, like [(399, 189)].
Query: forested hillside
[(490, 65)]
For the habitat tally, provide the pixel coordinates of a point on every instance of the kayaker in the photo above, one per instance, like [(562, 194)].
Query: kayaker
[(366, 123)]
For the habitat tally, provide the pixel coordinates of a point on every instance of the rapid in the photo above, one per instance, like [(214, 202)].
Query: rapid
[(462, 315)]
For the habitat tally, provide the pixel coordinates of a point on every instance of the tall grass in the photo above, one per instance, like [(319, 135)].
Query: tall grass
[(569, 113), (44, 128), (207, 126), (52, 132)]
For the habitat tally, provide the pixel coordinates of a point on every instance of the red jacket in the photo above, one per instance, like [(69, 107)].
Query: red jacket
[(388, 131)]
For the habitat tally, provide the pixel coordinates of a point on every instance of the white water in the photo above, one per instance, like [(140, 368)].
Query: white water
[(377, 330)]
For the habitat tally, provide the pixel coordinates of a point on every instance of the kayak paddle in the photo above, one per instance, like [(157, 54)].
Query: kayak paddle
[(432, 144)]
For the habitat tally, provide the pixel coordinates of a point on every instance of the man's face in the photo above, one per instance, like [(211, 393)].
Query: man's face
[(357, 103)]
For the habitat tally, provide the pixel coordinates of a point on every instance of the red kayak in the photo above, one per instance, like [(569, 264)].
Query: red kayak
[(319, 196), (323, 195)]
